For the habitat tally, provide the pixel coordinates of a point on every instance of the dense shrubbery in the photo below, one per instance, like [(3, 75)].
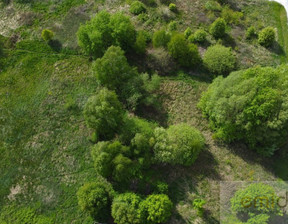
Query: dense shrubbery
[(198, 37), (95, 198), (219, 60), (230, 16), (185, 54), (250, 105), (137, 8), (259, 204), (103, 113), (217, 28), (267, 37), (161, 38), (105, 30), (179, 144)]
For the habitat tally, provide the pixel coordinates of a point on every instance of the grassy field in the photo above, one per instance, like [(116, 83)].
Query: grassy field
[(44, 142)]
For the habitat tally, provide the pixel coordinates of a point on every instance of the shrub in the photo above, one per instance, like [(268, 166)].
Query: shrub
[(172, 26), (219, 60), (259, 219), (198, 205), (95, 198), (156, 208), (217, 28), (187, 32), (256, 199), (47, 35), (249, 106), (125, 209), (111, 160), (230, 16), (251, 33), (137, 8), (140, 44), (212, 5), (105, 30), (185, 54), (199, 36), (103, 112), (161, 38), (173, 7), (179, 144), (267, 37)]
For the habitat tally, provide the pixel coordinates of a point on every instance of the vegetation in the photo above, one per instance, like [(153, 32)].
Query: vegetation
[(267, 37), (199, 36), (218, 28), (137, 8), (161, 38), (47, 35)]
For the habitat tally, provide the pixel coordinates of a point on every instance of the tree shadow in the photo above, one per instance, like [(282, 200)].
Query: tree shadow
[(56, 45), (228, 41), (277, 49)]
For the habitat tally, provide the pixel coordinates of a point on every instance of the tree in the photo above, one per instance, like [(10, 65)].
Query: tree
[(217, 28), (161, 38), (137, 8), (47, 35), (256, 199), (179, 144), (267, 37), (125, 209), (104, 113), (156, 208), (187, 32), (140, 44), (111, 160), (249, 106), (96, 198), (219, 60), (185, 54), (199, 36)]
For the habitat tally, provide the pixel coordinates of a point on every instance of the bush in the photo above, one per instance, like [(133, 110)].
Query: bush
[(198, 205), (172, 26), (103, 113), (187, 32), (179, 144), (259, 219), (160, 38), (219, 60), (140, 44), (156, 208), (217, 28), (125, 209), (251, 33), (267, 37), (173, 7), (212, 5), (199, 36), (249, 106), (105, 30), (185, 54), (137, 8), (47, 35), (96, 198), (111, 160), (230, 16), (256, 199)]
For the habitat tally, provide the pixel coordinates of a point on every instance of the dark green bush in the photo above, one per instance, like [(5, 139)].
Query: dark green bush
[(140, 44), (125, 209), (179, 144), (217, 28), (187, 32), (251, 33), (267, 37), (47, 35), (219, 60), (96, 198), (198, 37), (161, 38), (250, 106), (231, 16), (137, 8), (104, 113), (156, 208), (185, 54)]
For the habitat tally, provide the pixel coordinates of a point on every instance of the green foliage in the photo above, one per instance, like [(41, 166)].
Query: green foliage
[(156, 208), (173, 7), (217, 28), (140, 44), (105, 30), (111, 160), (125, 209), (251, 33), (259, 219), (219, 60), (172, 26), (137, 8), (187, 32), (96, 198), (256, 199), (179, 144), (198, 205), (267, 37), (249, 105), (212, 5), (199, 36), (47, 35), (103, 113), (161, 38), (230, 16), (185, 54)]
